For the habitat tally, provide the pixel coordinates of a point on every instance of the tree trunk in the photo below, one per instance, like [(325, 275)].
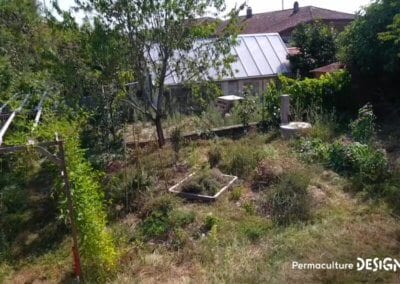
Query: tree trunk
[(160, 133)]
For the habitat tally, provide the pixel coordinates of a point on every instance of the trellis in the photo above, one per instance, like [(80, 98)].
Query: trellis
[(42, 148)]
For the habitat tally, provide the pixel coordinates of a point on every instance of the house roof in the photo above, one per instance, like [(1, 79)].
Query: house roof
[(279, 21), (257, 55), (329, 68)]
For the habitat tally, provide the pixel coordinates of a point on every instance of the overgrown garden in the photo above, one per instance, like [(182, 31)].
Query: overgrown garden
[(330, 195)]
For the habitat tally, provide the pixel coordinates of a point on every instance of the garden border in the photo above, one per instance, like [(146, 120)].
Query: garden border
[(201, 196)]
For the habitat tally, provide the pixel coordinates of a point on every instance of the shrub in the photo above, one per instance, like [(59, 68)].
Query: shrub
[(236, 194), (313, 150), (210, 221), (370, 165), (240, 160), (126, 187), (203, 183), (164, 204), (163, 220), (324, 126), (363, 128), (270, 111), (181, 218), (155, 225), (214, 156), (327, 92), (245, 110), (338, 157), (289, 200), (266, 172), (253, 230)]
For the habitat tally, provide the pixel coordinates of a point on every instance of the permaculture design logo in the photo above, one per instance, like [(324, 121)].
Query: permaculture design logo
[(370, 264)]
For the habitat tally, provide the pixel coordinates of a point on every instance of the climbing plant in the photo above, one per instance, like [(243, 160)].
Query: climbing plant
[(98, 253)]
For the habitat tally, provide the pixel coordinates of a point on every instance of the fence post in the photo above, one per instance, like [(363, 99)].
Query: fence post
[(285, 109)]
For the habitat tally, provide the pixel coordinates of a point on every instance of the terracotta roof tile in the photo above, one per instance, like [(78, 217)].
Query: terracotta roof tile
[(279, 21)]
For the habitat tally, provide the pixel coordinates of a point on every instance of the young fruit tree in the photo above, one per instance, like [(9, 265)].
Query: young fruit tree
[(170, 38)]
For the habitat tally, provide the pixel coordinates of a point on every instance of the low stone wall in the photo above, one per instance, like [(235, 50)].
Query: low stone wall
[(233, 131)]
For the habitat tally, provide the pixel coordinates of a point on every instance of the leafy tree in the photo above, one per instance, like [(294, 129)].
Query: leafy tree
[(160, 35), (316, 42), (370, 47)]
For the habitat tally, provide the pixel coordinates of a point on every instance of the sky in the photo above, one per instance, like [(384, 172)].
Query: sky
[(259, 6)]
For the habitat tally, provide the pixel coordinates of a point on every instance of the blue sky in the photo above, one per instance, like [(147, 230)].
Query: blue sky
[(258, 6)]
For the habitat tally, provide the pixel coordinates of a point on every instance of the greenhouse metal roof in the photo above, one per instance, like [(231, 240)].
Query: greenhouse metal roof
[(257, 55)]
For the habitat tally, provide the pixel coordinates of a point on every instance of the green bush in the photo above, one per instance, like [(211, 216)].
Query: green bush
[(327, 92), (214, 155), (241, 159), (162, 219), (210, 221), (308, 96), (324, 126), (202, 183), (363, 161), (270, 111), (236, 194), (253, 230), (314, 150), (363, 129), (338, 156), (245, 110), (289, 200), (126, 187), (369, 164)]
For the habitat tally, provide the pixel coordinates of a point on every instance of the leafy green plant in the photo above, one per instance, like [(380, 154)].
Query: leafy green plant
[(315, 150), (316, 42), (253, 230), (369, 164), (290, 200), (338, 156), (315, 95), (270, 112), (162, 219), (210, 222), (99, 255), (126, 187), (245, 110), (363, 129)]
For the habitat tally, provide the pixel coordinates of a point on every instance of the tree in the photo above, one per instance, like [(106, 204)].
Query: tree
[(370, 48), (161, 34), (316, 42)]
